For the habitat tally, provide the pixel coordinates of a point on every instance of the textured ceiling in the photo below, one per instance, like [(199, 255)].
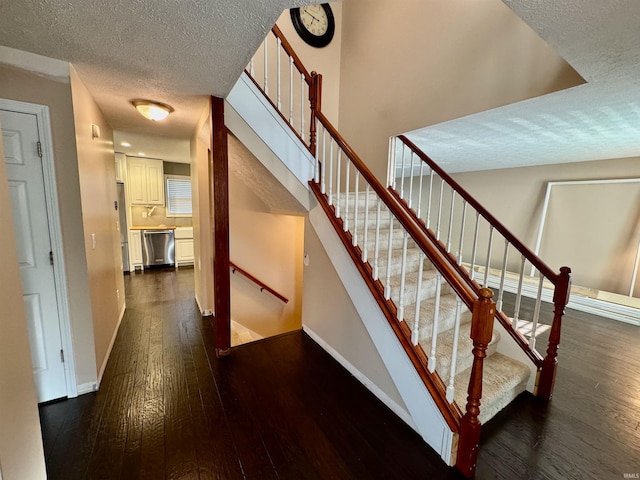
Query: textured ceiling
[(597, 120), (166, 50)]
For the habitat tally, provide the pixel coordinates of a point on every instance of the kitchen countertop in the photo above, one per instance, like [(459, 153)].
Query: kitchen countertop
[(153, 227)]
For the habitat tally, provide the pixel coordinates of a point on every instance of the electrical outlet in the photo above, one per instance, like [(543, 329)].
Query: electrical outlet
[(144, 214), (118, 294), (93, 241)]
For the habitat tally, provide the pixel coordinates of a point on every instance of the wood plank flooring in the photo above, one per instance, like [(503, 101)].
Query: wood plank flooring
[(282, 408)]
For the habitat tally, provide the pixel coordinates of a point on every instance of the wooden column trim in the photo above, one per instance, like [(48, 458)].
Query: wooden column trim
[(220, 222)]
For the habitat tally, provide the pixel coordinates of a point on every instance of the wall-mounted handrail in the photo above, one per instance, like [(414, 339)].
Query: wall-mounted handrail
[(263, 286)]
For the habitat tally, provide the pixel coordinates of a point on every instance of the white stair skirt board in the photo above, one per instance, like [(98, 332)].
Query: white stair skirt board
[(254, 121), (428, 420), (241, 334)]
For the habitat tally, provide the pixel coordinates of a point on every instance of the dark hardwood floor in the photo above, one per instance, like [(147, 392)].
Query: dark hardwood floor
[(282, 408)]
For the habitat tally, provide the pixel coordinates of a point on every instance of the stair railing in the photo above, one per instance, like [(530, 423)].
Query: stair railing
[(279, 73), (259, 283), (484, 251)]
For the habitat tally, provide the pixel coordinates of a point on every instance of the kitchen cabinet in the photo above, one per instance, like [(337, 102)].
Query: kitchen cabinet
[(135, 249), (184, 246), (146, 181)]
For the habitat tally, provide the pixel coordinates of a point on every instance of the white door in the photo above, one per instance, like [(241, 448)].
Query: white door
[(30, 221)]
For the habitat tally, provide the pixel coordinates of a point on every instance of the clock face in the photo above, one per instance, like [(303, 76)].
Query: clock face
[(314, 23), (314, 19)]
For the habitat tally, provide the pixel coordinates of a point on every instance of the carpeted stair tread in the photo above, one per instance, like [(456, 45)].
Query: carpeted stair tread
[(446, 317), (503, 380)]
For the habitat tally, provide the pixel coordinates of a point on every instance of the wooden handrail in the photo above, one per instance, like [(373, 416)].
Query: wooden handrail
[(289, 49), (536, 261), (260, 283)]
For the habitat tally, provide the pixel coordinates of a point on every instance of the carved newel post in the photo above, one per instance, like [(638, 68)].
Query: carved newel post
[(484, 310)]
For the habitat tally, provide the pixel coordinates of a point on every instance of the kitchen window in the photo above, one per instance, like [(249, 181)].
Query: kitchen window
[(178, 190)]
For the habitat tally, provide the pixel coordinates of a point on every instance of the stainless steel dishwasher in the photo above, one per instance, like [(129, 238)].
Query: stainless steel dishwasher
[(158, 248)]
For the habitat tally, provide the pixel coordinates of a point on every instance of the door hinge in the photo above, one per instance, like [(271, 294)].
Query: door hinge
[(62, 355), (51, 258), (39, 145)]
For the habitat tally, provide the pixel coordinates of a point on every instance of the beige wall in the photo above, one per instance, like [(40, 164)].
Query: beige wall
[(98, 192), (325, 61), (21, 453), (202, 239), (422, 62), (329, 312), (591, 228), (33, 88)]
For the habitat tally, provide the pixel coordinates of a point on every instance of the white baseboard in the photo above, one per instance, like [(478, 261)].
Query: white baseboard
[(113, 340), (204, 313), (362, 378), (87, 388)]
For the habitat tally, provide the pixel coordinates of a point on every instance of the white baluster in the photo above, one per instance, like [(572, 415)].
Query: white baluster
[(291, 91), (516, 312), (436, 318), (355, 210), (504, 272), (331, 172), (302, 102), (365, 249), (251, 69), (536, 314), (453, 200), (422, 164), (391, 164), (464, 221), (376, 245), (440, 209), (316, 176), (278, 102), (345, 225), (486, 269), (324, 163), (411, 179), (403, 273), (454, 353), (266, 69), (387, 287), (415, 334), (475, 245), (402, 177), (429, 202), (338, 182)]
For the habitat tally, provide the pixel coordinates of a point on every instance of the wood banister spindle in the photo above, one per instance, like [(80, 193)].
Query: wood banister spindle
[(550, 362), (484, 310)]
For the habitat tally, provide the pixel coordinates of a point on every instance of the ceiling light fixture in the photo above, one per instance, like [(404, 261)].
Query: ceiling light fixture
[(155, 111)]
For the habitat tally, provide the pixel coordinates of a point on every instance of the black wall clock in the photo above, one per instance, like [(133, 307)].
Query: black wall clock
[(314, 23)]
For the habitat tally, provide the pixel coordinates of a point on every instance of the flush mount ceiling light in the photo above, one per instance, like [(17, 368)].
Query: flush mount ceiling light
[(155, 111)]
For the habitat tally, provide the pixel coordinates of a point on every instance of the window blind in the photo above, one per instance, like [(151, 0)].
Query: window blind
[(178, 195)]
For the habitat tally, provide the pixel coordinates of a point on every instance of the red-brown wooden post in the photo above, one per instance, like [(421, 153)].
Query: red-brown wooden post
[(315, 99), (550, 362), (220, 188), (484, 310)]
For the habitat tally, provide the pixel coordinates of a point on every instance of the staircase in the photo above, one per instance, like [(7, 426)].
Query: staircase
[(437, 323), (425, 292)]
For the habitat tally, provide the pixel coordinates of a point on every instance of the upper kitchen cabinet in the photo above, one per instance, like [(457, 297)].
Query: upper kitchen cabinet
[(146, 181)]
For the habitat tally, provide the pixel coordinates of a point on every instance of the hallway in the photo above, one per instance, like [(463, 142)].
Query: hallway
[(277, 408)]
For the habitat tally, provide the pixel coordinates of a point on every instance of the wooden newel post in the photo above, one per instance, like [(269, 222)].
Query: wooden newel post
[(315, 99), (550, 362), (484, 310)]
